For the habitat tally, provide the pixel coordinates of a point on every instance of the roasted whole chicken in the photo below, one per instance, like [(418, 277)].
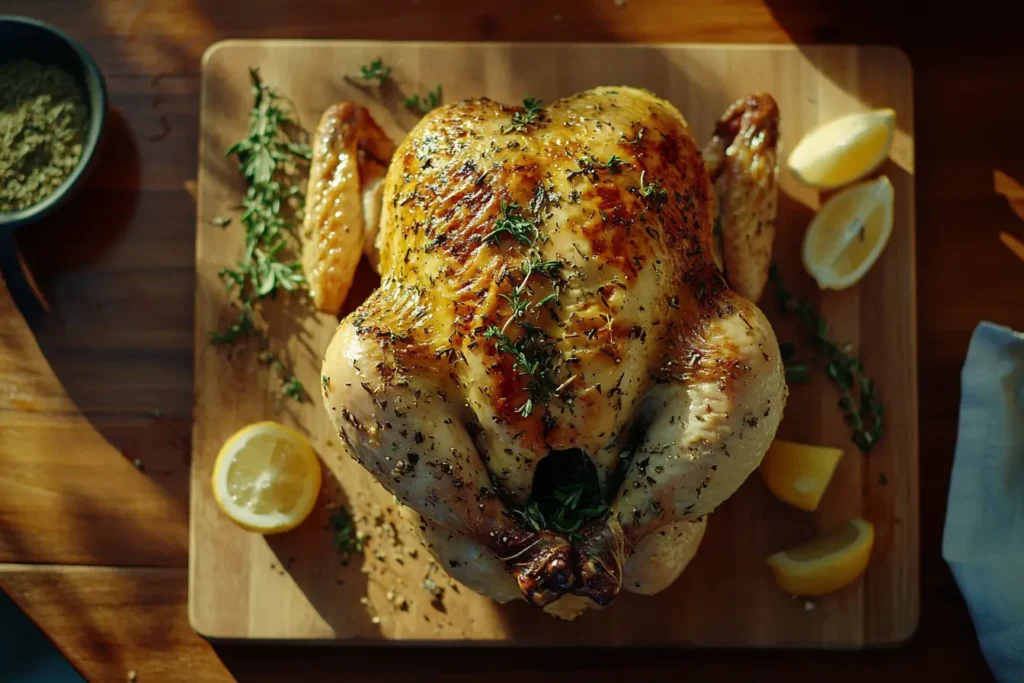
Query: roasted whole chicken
[(554, 377)]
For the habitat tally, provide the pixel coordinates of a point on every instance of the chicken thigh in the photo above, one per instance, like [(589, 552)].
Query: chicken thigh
[(549, 296)]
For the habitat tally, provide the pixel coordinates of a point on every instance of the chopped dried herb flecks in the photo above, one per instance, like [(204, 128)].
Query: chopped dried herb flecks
[(864, 416), (272, 159)]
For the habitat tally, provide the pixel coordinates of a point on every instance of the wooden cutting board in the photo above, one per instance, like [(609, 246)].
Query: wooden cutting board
[(295, 586)]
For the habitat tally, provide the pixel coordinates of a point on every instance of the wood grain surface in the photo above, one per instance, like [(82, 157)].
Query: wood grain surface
[(294, 587), (118, 267)]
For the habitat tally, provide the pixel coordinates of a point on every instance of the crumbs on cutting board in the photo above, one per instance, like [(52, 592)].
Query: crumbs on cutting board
[(401, 576)]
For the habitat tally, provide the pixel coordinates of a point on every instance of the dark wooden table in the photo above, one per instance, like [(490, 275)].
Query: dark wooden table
[(95, 399)]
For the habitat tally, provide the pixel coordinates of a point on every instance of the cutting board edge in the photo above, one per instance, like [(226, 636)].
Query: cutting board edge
[(912, 615)]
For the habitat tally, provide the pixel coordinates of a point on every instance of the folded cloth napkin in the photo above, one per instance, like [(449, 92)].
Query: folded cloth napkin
[(984, 536)]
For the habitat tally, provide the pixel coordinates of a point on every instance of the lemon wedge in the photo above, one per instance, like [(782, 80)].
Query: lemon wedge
[(798, 474), (843, 150), (826, 564), (849, 233), (267, 478)]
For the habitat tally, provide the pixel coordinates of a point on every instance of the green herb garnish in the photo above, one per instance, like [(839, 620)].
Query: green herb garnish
[(654, 193), (534, 355), (533, 113), (513, 223), (346, 539), (863, 416), (589, 166), (375, 71), (427, 103), (270, 159)]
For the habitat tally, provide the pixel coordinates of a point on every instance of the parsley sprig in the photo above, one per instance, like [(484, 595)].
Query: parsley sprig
[(864, 416), (269, 158), (533, 112)]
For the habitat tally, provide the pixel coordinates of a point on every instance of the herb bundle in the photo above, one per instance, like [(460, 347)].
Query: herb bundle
[(268, 158), (566, 495), (864, 416)]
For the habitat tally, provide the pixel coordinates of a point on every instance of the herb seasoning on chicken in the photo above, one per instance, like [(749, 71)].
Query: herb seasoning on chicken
[(549, 307)]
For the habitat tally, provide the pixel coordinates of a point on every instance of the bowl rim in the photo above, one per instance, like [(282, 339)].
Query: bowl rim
[(96, 88)]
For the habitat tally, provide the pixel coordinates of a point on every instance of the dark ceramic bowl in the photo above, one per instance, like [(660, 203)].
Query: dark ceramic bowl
[(24, 38)]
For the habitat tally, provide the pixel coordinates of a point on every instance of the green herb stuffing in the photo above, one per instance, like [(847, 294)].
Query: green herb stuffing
[(566, 495)]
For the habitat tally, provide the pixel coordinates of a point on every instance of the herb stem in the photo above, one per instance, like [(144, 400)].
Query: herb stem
[(864, 417)]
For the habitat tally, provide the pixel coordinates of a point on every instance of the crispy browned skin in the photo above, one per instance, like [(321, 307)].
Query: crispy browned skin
[(349, 154), (649, 351), (742, 160)]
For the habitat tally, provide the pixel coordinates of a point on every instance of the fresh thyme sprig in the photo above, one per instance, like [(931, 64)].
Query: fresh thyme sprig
[(533, 349), (269, 158), (533, 113), (514, 223), (428, 102), (375, 71), (653, 192), (589, 166), (864, 417)]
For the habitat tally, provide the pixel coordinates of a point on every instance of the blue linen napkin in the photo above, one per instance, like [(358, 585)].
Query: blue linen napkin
[(984, 537)]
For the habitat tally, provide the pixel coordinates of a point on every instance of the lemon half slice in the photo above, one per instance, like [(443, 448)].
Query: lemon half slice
[(267, 478), (826, 564), (849, 233), (843, 150), (799, 474)]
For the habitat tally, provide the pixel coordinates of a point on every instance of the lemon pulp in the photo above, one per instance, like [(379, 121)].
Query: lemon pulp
[(827, 563), (266, 478)]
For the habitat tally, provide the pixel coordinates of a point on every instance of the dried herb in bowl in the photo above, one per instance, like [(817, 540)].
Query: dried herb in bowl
[(42, 123)]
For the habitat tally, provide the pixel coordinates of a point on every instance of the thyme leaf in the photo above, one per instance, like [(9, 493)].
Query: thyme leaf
[(513, 223), (427, 103), (270, 158), (859, 401), (533, 112)]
